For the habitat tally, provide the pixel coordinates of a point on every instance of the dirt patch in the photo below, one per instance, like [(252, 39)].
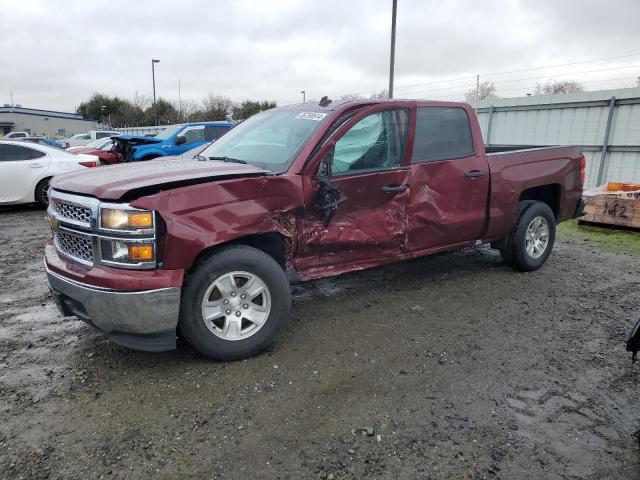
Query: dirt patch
[(452, 366)]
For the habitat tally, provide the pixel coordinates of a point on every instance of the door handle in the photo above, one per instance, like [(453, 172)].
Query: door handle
[(395, 189), (36, 165), (476, 173)]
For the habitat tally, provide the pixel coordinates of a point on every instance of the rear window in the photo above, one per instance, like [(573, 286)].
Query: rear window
[(442, 133)]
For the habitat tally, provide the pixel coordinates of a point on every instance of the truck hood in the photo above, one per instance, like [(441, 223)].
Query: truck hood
[(132, 180)]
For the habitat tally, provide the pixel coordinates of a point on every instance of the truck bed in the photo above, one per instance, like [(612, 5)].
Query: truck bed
[(517, 171)]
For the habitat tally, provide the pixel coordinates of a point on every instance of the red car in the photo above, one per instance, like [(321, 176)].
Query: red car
[(103, 149), (299, 192)]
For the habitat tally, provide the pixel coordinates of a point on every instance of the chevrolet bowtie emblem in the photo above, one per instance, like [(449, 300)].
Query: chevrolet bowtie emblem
[(54, 223)]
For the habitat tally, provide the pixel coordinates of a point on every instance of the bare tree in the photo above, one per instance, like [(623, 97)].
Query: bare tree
[(140, 101), (381, 94), (553, 87), (351, 96), (216, 106), (484, 90), (191, 111)]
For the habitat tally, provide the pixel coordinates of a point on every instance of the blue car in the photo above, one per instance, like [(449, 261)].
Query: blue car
[(173, 141)]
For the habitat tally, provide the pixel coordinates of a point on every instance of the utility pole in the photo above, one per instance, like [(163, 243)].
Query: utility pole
[(477, 90), (304, 95), (179, 102), (153, 76), (392, 59)]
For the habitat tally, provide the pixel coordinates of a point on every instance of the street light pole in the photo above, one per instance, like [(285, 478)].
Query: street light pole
[(392, 59), (153, 76), (304, 94)]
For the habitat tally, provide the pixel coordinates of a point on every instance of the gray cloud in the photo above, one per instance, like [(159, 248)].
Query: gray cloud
[(54, 54)]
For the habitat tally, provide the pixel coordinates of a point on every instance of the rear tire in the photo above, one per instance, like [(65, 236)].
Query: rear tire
[(532, 238), (222, 316), (41, 193)]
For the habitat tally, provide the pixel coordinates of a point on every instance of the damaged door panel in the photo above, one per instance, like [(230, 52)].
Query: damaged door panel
[(359, 210), (448, 202)]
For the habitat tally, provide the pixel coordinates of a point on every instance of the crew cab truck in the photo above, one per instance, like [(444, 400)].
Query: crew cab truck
[(210, 247), (173, 141)]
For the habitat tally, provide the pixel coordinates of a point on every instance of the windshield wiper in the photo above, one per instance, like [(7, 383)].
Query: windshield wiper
[(229, 160)]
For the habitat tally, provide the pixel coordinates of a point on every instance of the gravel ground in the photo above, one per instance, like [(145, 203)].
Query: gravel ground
[(450, 367)]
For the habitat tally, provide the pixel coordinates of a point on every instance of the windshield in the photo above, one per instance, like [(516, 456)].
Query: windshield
[(168, 132), (268, 140), (98, 143)]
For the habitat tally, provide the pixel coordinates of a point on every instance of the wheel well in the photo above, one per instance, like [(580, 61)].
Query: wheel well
[(549, 194), (271, 243), (45, 179)]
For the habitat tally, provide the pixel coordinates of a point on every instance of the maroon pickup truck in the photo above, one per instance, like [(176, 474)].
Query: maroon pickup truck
[(209, 247)]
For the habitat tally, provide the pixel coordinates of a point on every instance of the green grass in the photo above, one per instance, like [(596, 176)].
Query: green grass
[(614, 240)]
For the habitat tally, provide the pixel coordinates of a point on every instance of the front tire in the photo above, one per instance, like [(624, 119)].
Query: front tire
[(42, 192), (532, 237), (234, 304)]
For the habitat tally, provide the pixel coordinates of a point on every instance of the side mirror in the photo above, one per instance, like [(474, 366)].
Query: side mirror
[(181, 139)]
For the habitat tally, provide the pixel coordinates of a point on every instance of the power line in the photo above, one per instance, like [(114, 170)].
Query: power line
[(524, 79), (521, 70)]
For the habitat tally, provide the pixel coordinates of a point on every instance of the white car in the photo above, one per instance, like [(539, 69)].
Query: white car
[(82, 139), (97, 144), (25, 170), (16, 135)]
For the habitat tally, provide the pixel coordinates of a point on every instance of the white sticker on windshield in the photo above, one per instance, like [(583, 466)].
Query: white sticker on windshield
[(317, 116)]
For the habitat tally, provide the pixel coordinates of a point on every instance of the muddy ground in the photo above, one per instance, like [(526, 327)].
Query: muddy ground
[(459, 367)]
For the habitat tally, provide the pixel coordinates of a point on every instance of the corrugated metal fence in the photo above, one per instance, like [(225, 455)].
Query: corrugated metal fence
[(606, 124)]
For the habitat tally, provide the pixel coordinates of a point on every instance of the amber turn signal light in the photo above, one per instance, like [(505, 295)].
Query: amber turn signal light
[(141, 219), (141, 252)]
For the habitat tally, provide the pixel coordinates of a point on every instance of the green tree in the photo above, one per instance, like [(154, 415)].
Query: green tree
[(100, 107), (167, 113), (250, 107)]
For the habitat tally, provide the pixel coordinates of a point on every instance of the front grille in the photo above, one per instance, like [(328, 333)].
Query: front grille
[(75, 245), (71, 212)]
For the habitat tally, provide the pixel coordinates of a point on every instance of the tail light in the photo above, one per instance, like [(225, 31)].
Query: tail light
[(90, 164), (583, 170)]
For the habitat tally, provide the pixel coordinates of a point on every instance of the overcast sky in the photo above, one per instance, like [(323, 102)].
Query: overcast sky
[(56, 54)]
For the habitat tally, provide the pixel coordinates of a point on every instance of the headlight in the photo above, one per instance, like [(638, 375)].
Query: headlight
[(126, 220), (131, 252), (127, 236)]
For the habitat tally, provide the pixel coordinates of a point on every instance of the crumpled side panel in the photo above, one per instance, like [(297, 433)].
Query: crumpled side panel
[(200, 216), (446, 206), (367, 224)]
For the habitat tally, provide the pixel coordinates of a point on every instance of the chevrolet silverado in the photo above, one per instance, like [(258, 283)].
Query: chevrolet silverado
[(208, 248)]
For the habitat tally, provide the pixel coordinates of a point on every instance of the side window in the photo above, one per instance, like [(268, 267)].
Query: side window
[(12, 153), (102, 135), (442, 133), (214, 132), (194, 135), (375, 142)]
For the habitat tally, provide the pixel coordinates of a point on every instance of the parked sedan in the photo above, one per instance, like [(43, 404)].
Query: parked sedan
[(43, 141), (103, 149), (25, 170)]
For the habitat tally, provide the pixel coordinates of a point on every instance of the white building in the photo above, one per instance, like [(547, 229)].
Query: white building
[(42, 122)]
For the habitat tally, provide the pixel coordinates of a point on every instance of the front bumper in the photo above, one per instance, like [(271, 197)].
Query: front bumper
[(143, 320)]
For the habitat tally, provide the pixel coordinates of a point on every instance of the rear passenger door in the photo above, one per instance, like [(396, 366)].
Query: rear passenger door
[(450, 180), (20, 169)]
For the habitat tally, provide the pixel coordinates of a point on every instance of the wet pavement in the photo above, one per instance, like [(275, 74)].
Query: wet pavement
[(452, 366)]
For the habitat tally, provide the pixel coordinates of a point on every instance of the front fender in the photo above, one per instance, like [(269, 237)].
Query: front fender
[(145, 152)]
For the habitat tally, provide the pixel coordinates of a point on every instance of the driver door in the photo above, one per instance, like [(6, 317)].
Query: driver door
[(358, 213)]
